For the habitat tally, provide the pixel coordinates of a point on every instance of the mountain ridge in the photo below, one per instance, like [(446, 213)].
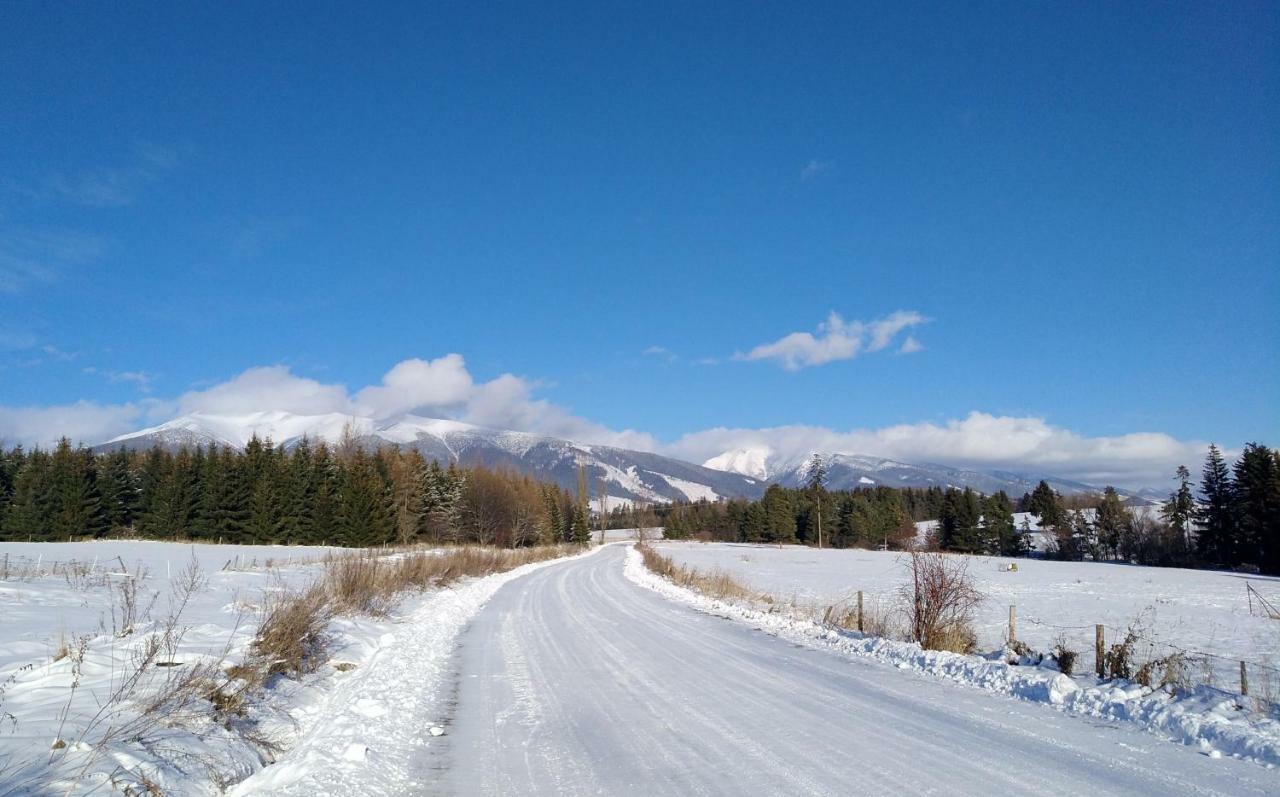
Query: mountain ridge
[(630, 475)]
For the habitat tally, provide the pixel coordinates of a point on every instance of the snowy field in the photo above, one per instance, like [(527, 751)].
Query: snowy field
[(76, 617), (1195, 610)]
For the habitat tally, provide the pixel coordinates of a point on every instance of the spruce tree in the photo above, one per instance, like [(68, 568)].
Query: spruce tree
[(1216, 543), (30, 510), (1179, 510), (1110, 524), (1257, 507), (579, 530)]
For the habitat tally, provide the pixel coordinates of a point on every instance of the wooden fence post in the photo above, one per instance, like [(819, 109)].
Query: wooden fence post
[(860, 626), (1099, 651), (1244, 680), (1013, 623)]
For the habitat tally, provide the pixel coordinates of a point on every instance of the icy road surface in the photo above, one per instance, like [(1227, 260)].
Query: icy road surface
[(573, 680)]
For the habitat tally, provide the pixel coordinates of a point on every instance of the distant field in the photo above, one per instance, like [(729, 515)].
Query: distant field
[(1198, 610)]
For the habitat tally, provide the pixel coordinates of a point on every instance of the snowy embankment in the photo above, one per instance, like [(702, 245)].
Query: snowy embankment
[(1199, 611), (1208, 718), (360, 737), (109, 650), (94, 634)]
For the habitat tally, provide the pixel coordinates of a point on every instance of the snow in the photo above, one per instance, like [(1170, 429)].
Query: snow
[(363, 736), (1198, 610), (692, 490), (340, 717), (1209, 719), (60, 593), (751, 462)]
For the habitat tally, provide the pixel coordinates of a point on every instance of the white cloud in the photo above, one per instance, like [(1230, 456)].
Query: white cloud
[(82, 422), (815, 168), (910, 345), (445, 388), (140, 378), (979, 441), (837, 339), (441, 384), (266, 388)]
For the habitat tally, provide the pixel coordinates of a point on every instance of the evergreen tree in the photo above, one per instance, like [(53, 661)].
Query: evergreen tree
[(1216, 542), (1181, 507), (118, 486), (1257, 507), (579, 530), (1110, 523), (1002, 536), (779, 517), (31, 508), (1045, 504), (77, 505), (363, 516)]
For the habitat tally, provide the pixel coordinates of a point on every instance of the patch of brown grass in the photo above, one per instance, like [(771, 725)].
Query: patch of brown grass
[(713, 583)]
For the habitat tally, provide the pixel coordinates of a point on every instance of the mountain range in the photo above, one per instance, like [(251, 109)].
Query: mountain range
[(629, 475)]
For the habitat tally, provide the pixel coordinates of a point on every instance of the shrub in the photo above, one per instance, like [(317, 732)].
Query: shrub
[(940, 601), (1065, 657)]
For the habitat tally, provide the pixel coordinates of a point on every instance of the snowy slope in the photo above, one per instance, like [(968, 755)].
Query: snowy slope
[(631, 475), (848, 471)]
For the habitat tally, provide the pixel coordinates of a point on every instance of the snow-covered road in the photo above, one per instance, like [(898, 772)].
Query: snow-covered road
[(573, 680)]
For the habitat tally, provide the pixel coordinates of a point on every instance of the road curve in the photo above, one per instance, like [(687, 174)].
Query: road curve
[(573, 680)]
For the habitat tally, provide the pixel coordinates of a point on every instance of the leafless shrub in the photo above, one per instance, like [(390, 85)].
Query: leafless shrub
[(1173, 670), (1065, 656), (940, 601), (1119, 659)]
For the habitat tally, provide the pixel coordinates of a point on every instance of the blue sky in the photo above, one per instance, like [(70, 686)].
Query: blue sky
[(1077, 205)]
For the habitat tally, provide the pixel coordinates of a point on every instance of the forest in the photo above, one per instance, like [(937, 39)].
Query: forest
[(310, 494), (1231, 518)]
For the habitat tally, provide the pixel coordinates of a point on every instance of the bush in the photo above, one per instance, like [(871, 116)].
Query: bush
[(940, 601), (1065, 657)]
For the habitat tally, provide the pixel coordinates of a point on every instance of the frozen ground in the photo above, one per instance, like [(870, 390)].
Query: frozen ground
[(65, 648), (1197, 610), (577, 679)]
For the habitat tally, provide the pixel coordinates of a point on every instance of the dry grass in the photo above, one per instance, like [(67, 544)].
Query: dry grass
[(291, 639), (713, 583)]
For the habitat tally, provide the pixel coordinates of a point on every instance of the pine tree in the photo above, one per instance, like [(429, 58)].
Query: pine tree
[(1257, 507), (579, 530), (779, 517), (1216, 542), (1003, 536), (1045, 504), (77, 505), (1180, 508), (30, 509), (118, 486), (1110, 522), (362, 517)]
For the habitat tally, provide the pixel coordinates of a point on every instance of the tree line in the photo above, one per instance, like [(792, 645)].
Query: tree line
[(310, 494), (1230, 519)]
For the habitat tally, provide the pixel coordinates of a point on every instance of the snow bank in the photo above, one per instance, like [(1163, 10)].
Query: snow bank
[(1205, 717), (361, 735), (1195, 610)]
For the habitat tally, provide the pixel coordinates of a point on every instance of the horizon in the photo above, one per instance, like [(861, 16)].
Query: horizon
[(1008, 238)]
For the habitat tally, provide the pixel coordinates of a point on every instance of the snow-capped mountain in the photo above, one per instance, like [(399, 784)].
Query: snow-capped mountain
[(630, 475), (850, 471)]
